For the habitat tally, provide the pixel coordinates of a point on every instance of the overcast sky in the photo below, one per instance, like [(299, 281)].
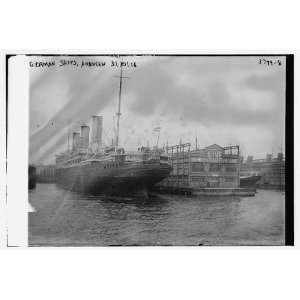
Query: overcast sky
[(222, 100)]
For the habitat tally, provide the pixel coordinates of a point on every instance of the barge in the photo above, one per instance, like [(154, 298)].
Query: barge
[(211, 171)]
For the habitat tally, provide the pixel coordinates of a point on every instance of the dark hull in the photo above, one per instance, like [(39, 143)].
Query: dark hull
[(31, 177), (250, 181), (122, 179)]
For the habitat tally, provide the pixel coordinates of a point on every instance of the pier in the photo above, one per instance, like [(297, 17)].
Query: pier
[(189, 191)]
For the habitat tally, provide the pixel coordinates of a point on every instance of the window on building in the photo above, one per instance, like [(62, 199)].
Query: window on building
[(198, 179), (230, 169), (229, 179), (197, 167), (214, 167), (215, 155)]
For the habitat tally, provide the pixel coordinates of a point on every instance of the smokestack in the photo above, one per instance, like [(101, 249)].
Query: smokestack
[(97, 126), (85, 136), (76, 141)]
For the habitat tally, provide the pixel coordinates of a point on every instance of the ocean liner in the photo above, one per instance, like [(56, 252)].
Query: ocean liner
[(90, 167)]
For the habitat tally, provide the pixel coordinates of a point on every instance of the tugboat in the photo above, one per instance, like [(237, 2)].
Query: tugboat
[(92, 168), (249, 179)]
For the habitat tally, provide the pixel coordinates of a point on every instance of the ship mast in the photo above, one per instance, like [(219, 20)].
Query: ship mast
[(68, 132), (118, 114)]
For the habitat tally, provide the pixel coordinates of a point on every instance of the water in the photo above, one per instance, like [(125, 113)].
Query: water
[(63, 218)]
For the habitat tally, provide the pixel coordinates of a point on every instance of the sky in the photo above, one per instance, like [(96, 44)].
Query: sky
[(227, 100)]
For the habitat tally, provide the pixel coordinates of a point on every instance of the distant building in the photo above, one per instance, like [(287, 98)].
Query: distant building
[(272, 170), (210, 167), (45, 173)]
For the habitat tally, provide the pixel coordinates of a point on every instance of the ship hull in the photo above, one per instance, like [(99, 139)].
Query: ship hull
[(31, 177), (116, 179), (249, 181)]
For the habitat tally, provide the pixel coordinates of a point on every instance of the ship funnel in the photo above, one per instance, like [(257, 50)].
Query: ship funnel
[(76, 141), (85, 136), (97, 126)]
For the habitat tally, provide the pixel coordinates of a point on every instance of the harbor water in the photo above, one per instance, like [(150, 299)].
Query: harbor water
[(61, 218)]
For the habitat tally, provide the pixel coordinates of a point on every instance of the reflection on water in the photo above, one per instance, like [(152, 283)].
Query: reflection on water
[(64, 218)]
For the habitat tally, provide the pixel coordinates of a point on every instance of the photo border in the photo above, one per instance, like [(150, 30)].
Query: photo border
[(289, 118)]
